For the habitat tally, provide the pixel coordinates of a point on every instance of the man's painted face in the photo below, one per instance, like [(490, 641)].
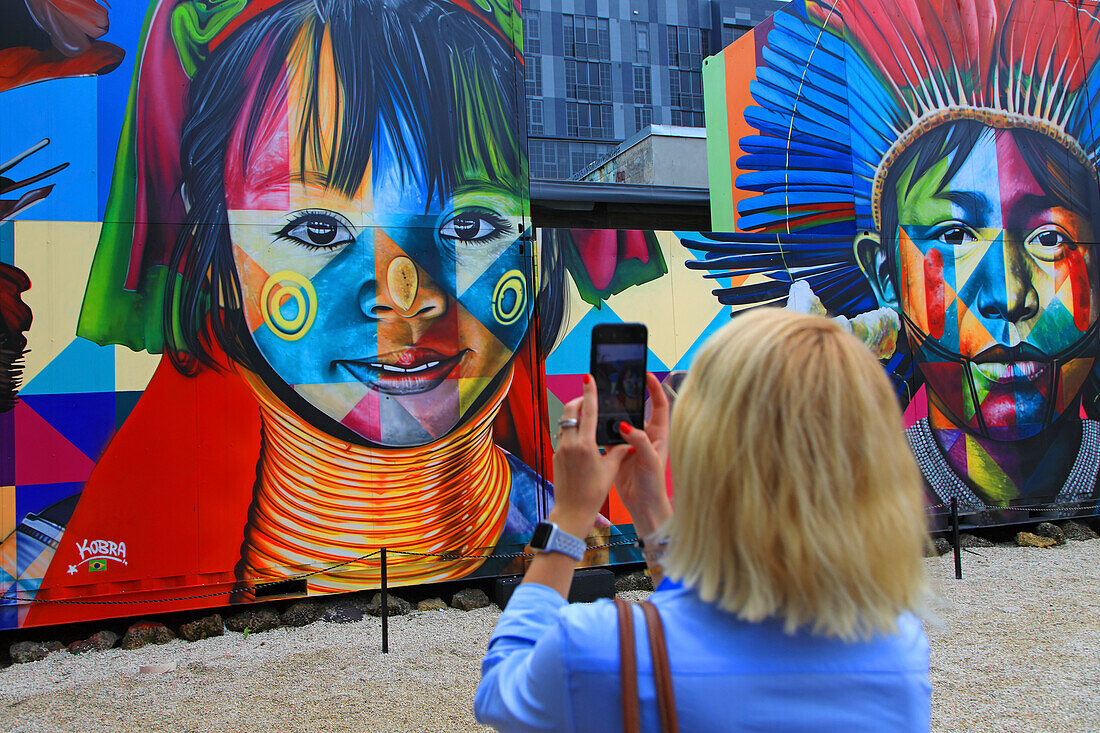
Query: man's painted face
[(389, 310), (999, 271)]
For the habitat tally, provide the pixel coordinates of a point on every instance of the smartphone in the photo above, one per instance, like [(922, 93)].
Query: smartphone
[(618, 366)]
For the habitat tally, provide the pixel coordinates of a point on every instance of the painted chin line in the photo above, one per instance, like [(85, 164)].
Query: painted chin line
[(403, 374)]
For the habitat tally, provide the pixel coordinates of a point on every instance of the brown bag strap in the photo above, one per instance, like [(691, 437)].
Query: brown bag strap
[(662, 674), (628, 668)]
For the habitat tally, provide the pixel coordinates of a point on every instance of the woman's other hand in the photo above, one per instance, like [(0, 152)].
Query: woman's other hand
[(640, 480), (582, 475)]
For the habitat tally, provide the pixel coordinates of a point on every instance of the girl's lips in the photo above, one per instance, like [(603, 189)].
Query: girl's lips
[(402, 373)]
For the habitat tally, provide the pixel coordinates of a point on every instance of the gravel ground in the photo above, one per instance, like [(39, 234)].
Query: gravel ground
[(1015, 646)]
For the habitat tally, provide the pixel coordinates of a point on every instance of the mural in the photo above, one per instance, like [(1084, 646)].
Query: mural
[(271, 301), (926, 172), (318, 212)]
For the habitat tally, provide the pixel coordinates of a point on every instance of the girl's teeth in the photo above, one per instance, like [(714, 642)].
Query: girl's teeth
[(402, 370)]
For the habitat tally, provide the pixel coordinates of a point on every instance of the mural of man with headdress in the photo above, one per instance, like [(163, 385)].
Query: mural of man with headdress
[(926, 170)]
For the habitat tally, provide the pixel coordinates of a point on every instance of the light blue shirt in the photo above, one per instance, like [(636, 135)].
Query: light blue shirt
[(555, 666)]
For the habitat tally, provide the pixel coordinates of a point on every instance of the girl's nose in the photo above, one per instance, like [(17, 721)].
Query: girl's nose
[(402, 292)]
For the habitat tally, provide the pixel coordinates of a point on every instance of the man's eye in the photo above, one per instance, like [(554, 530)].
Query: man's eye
[(957, 236), (1049, 239), (316, 230), (1050, 244), (474, 227)]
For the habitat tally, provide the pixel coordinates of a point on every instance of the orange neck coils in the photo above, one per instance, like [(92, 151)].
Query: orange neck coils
[(319, 501)]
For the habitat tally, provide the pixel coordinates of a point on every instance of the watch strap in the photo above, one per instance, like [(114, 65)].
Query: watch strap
[(561, 542)]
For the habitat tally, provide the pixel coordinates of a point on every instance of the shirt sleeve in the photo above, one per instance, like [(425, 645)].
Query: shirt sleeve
[(523, 676)]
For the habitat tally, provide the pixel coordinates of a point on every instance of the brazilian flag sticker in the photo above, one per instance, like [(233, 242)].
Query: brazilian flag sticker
[(95, 565)]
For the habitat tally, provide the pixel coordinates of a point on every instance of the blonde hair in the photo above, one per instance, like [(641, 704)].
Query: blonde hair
[(796, 495)]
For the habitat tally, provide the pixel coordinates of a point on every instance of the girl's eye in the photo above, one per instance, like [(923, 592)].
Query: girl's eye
[(957, 236), (316, 230), (473, 227)]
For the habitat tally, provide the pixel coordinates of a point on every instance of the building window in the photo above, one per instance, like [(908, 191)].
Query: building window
[(641, 43), (686, 89), (587, 37), (534, 117), (588, 120), (542, 155), (732, 31), (532, 72), (582, 155), (532, 41), (643, 117), (534, 158), (643, 93), (685, 118), (686, 47), (587, 81)]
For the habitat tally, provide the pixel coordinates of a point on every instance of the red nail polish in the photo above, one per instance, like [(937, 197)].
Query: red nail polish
[(632, 451), (625, 428), (587, 378)]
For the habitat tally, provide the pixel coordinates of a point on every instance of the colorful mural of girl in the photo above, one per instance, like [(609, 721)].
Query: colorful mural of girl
[(937, 160), (319, 209)]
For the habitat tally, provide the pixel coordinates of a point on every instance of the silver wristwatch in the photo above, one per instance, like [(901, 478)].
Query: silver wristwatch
[(549, 537)]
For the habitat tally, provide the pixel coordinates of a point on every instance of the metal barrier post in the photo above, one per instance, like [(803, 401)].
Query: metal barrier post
[(385, 608), (955, 538)]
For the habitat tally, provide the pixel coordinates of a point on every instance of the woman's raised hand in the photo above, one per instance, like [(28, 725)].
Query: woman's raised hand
[(640, 480), (582, 476)]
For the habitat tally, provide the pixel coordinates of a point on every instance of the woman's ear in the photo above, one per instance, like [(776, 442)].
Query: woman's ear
[(871, 255)]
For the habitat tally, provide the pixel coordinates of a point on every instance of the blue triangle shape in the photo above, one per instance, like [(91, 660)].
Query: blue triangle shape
[(573, 355), (719, 320), (653, 364), (81, 367), (85, 420)]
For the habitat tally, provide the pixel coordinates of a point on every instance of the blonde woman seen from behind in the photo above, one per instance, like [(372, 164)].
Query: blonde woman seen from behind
[(792, 563)]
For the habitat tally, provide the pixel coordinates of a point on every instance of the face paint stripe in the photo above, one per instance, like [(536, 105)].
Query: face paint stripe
[(912, 278), (1082, 290), (935, 300)]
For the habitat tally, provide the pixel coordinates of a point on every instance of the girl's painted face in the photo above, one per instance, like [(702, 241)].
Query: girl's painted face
[(389, 310), (998, 270)]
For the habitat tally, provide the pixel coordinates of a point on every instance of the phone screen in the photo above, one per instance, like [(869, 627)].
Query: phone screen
[(618, 366)]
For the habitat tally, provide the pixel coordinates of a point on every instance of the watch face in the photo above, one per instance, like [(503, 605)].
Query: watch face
[(542, 535)]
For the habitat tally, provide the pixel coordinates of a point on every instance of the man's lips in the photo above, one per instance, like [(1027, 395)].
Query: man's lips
[(1009, 372), (1006, 365), (404, 372)]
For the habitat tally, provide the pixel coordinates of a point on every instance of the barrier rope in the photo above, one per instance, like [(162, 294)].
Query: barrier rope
[(281, 581), (1039, 508)]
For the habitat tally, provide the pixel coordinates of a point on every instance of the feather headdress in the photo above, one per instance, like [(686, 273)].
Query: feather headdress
[(845, 86)]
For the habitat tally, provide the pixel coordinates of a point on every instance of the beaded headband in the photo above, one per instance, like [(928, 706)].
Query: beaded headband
[(995, 118)]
